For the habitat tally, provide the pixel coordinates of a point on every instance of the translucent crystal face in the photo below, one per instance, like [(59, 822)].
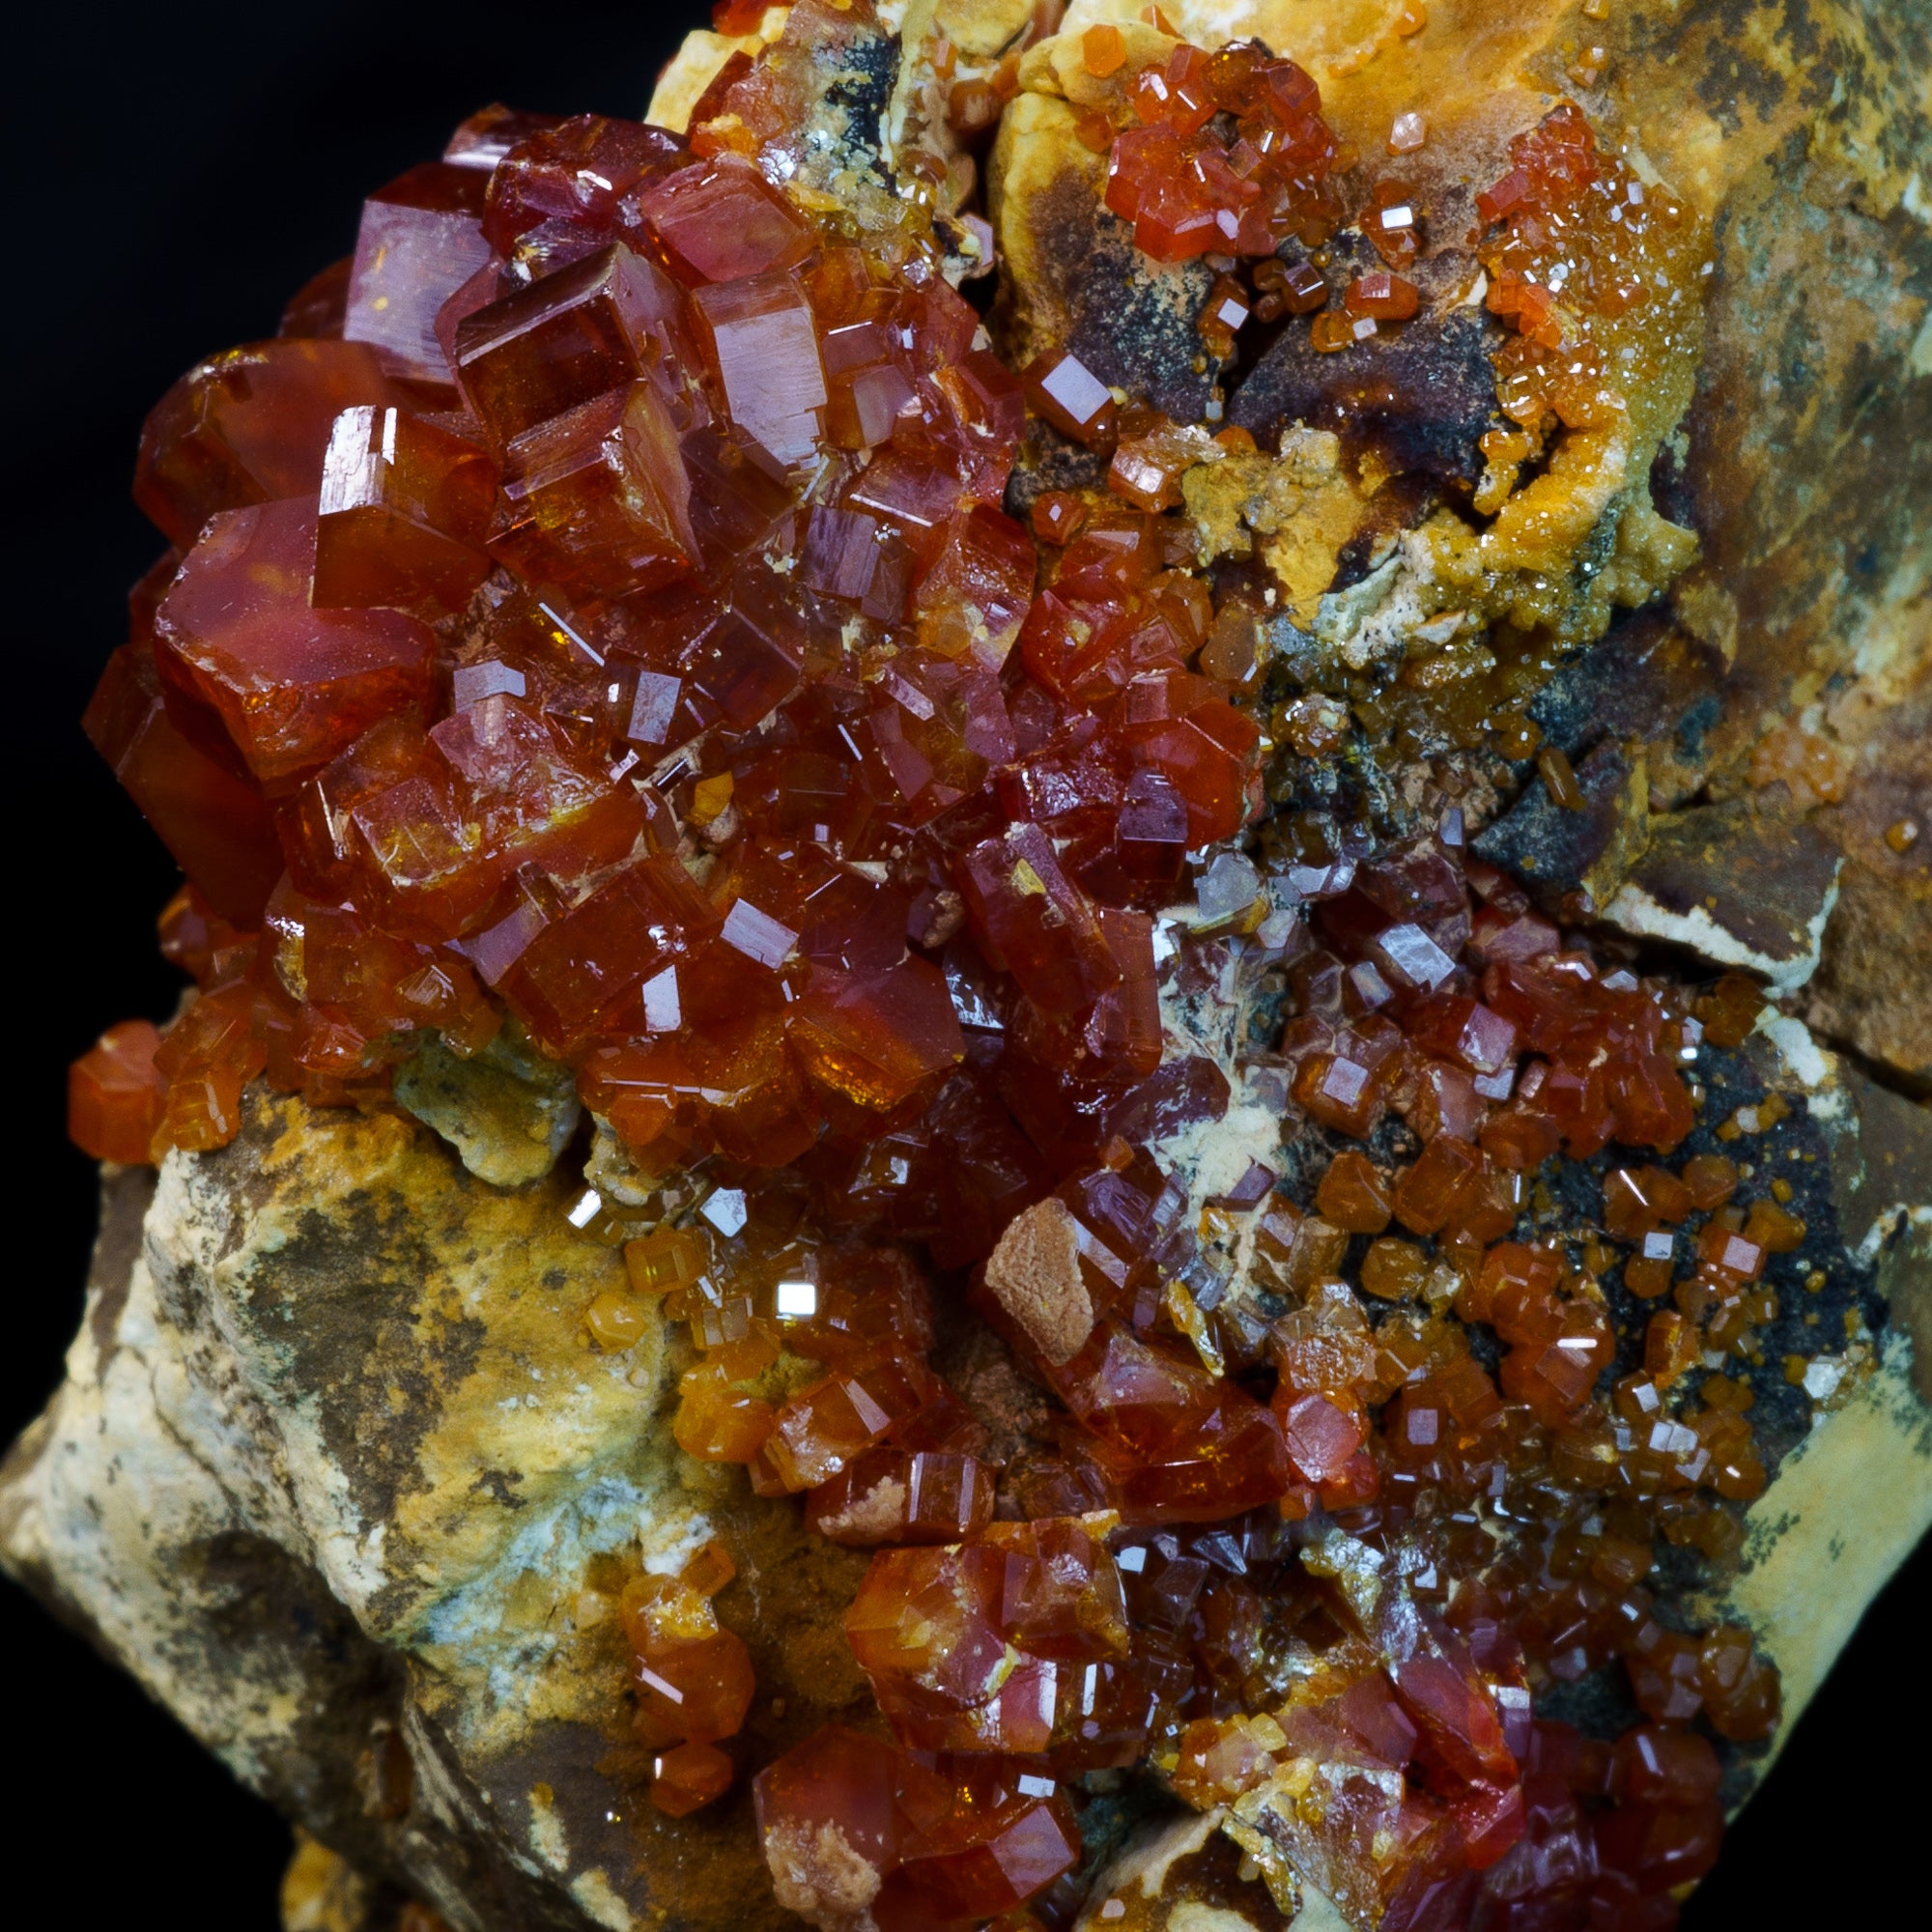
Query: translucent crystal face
[(610, 623)]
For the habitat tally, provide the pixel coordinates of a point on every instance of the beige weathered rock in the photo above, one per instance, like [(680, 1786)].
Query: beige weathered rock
[(507, 1111), (1870, 987), (338, 1476), (694, 67), (1034, 1274)]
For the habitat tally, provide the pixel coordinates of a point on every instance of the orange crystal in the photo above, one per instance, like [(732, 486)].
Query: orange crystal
[(249, 426), (688, 1777), (693, 1680), (1382, 294), (1353, 1195), (403, 515), (114, 1095), (291, 685)]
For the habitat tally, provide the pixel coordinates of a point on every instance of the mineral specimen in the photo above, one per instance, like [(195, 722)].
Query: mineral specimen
[(1127, 1113)]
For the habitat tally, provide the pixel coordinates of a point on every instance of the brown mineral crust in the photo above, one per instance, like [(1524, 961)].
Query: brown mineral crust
[(1881, 1174), (565, 1785), (1647, 681), (790, 1591), (1870, 989), (1014, 1410), (1763, 877), (1808, 450), (1419, 398), (1034, 1273), (1869, 992)]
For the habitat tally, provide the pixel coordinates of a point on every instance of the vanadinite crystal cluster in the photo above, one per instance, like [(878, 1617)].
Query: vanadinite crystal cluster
[(602, 623)]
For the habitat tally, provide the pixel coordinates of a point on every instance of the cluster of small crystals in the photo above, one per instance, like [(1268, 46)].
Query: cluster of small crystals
[(693, 1680), (1194, 185), (1326, 1553), (623, 513), (1596, 270), (1227, 155), (596, 612), (1574, 243)]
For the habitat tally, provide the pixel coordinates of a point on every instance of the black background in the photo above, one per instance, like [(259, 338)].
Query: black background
[(172, 179)]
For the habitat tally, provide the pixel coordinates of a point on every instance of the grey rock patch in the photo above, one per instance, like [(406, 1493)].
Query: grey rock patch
[(507, 1111)]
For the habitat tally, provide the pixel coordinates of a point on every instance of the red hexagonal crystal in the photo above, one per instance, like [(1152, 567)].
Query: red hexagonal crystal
[(420, 239), (292, 685), (251, 425), (764, 345), (115, 1097), (597, 325), (403, 515)]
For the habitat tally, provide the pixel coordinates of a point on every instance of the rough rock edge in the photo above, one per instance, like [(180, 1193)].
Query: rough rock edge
[(507, 1111), (188, 1504)]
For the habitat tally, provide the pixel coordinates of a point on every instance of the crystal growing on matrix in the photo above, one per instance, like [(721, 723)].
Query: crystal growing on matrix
[(601, 620)]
